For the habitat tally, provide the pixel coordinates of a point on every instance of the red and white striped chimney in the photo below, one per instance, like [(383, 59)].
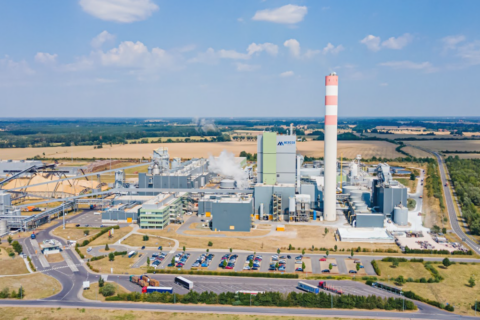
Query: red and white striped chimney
[(330, 158)]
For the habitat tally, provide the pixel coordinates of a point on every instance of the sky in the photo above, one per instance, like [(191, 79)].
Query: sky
[(225, 58)]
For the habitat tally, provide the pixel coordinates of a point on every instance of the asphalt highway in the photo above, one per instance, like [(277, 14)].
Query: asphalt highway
[(450, 202)]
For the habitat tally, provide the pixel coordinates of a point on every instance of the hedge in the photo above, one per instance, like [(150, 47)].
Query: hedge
[(104, 230), (229, 274), (425, 251), (78, 251), (391, 259), (31, 264), (376, 268), (276, 299)]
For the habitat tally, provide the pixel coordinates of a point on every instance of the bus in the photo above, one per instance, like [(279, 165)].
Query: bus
[(157, 289), (308, 287), (132, 254), (253, 293), (181, 281)]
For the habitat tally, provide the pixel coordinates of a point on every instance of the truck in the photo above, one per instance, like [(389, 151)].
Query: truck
[(308, 287), (157, 289), (323, 285), (132, 253), (86, 285)]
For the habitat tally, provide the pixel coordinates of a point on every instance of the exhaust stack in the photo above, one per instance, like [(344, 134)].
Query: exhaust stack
[(331, 106)]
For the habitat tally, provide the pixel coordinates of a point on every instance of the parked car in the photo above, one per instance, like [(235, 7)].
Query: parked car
[(289, 257), (272, 269), (352, 271), (298, 261), (254, 268), (323, 259), (282, 268), (325, 271), (246, 268), (77, 225), (299, 269), (230, 266), (195, 264), (283, 257), (362, 267), (143, 247)]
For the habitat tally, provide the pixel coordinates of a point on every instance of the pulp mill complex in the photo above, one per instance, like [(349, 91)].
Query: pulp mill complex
[(229, 192)]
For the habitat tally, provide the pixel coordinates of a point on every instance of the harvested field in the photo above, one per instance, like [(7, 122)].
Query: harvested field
[(415, 152), (105, 314), (349, 149), (36, 286), (300, 237), (464, 145), (13, 266)]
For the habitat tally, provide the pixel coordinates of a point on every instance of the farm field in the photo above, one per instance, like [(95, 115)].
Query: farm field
[(417, 152), (349, 149), (416, 136), (450, 145)]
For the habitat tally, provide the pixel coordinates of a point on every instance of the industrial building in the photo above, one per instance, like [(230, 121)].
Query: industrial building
[(7, 167), (228, 212), (162, 210)]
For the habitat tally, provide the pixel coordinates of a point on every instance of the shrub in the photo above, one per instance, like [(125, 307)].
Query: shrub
[(376, 268), (210, 243), (108, 290)]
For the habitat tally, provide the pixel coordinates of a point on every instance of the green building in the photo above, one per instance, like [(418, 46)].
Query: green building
[(159, 212)]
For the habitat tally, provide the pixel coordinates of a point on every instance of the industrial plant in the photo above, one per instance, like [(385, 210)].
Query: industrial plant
[(231, 193)]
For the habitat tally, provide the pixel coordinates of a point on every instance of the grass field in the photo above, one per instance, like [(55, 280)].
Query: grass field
[(56, 257), (73, 233), (121, 265), (36, 286), (117, 235), (104, 314), (93, 294), (13, 266), (136, 240), (454, 289), (348, 149), (412, 184), (302, 237), (406, 269)]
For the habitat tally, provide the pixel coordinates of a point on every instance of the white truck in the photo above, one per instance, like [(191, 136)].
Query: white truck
[(86, 285)]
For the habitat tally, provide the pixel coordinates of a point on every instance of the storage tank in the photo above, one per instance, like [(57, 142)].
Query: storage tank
[(348, 189), (3, 226), (291, 204), (227, 184), (261, 211), (400, 216)]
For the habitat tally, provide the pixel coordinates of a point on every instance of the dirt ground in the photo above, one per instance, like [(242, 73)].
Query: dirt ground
[(348, 149), (13, 266), (93, 294), (10, 313), (73, 233), (120, 265), (260, 231), (56, 257), (300, 237), (36, 286)]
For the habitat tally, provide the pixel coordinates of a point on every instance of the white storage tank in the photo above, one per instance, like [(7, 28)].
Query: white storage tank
[(291, 204), (3, 226), (400, 216), (227, 184), (348, 189)]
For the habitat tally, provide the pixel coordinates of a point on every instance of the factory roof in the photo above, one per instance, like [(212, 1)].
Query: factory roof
[(364, 234), (163, 199)]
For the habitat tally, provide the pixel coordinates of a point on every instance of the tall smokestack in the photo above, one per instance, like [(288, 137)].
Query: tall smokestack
[(291, 129), (331, 105)]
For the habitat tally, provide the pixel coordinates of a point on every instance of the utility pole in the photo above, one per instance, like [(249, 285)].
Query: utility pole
[(331, 296), (63, 207)]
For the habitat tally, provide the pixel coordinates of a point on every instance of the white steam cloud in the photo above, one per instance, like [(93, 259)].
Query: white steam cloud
[(225, 165), (205, 125)]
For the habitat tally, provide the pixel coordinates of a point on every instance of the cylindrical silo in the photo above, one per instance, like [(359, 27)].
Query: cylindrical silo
[(261, 211), (3, 226), (400, 216), (331, 102), (348, 189), (291, 204), (227, 184)]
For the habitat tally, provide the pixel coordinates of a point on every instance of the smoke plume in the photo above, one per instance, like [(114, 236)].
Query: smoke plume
[(204, 124), (225, 165)]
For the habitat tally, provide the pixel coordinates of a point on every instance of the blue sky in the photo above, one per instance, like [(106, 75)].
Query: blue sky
[(152, 58)]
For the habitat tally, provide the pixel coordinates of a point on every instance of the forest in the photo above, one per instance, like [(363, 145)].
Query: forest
[(465, 175)]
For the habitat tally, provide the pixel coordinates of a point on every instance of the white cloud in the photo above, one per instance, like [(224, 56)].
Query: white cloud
[(246, 67), (11, 68), (123, 11), (294, 47), (46, 58), (372, 42), (270, 48), (405, 64), (397, 43), (211, 56), (240, 19), (286, 74), (470, 52), (451, 42), (330, 48), (101, 38), (232, 54), (289, 14), (136, 55)]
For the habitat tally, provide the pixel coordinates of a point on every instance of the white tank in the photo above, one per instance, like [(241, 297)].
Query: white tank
[(400, 216), (261, 211), (3, 226), (291, 204), (348, 189), (227, 184), (353, 169)]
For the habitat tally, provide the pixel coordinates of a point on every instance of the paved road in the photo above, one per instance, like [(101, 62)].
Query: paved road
[(454, 219)]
